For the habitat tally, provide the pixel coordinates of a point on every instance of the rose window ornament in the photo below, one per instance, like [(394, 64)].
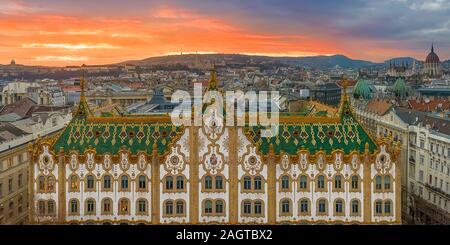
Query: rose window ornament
[(174, 163), (213, 163), (252, 164)]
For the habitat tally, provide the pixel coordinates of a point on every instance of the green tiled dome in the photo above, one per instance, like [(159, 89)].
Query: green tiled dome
[(400, 89), (362, 90)]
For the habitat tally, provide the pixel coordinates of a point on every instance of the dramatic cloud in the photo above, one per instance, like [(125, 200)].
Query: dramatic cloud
[(70, 31)]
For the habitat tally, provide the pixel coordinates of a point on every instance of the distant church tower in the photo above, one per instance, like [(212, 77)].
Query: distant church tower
[(432, 67)]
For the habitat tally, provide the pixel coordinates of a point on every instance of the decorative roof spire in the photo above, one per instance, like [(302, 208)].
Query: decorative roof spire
[(344, 83), (432, 47), (213, 81), (82, 82)]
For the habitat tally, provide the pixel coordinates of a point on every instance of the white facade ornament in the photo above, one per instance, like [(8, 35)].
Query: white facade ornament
[(303, 161), (355, 161), (90, 161), (174, 163), (383, 160), (285, 162), (338, 161), (73, 162), (46, 162), (107, 162), (320, 162), (124, 163), (252, 163), (213, 126), (213, 163), (142, 162)]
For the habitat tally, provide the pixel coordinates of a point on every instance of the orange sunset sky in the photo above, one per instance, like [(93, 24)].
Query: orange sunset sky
[(59, 33)]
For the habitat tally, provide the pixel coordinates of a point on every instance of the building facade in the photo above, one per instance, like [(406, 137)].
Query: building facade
[(144, 169), (429, 172), (15, 137)]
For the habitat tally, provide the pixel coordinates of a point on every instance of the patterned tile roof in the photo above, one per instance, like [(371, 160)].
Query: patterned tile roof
[(111, 134)]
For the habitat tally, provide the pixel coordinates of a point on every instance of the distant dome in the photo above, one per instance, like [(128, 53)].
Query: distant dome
[(400, 89), (320, 83), (432, 57), (362, 90)]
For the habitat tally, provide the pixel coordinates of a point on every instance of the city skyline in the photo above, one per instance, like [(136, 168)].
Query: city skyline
[(59, 33)]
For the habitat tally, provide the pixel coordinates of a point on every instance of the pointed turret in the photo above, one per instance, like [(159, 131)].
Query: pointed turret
[(212, 84)]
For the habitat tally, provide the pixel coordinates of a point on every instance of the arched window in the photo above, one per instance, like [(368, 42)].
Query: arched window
[(219, 183), (247, 183), (90, 182), (169, 183), (320, 182), (106, 205), (180, 207), (42, 184), (73, 206), (387, 182), (304, 206), (208, 207), (180, 183), (378, 182), (378, 207), (339, 206), (337, 182), (247, 207), (50, 184), (219, 207), (41, 206), (285, 182), (355, 207), (387, 207), (73, 183), (90, 206), (142, 206), (169, 207), (322, 206), (257, 183), (124, 182), (51, 207), (303, 182), (258, 207), (208, 182), (106, 182), (354, 182), (285, 206), (124, 206), (142, 185)]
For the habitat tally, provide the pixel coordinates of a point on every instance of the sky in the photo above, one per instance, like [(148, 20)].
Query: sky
[(67, 32)]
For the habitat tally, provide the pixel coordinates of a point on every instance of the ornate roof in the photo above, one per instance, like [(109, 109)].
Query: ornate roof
[(362, 90), (432, 57), (141, 133), (315, 134)]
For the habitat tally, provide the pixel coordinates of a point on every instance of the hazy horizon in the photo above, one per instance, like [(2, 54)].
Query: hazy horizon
[(61, 33)]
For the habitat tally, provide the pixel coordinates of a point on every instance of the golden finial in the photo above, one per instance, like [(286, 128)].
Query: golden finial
[(344, 83), (213, 82), (82, 83)]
